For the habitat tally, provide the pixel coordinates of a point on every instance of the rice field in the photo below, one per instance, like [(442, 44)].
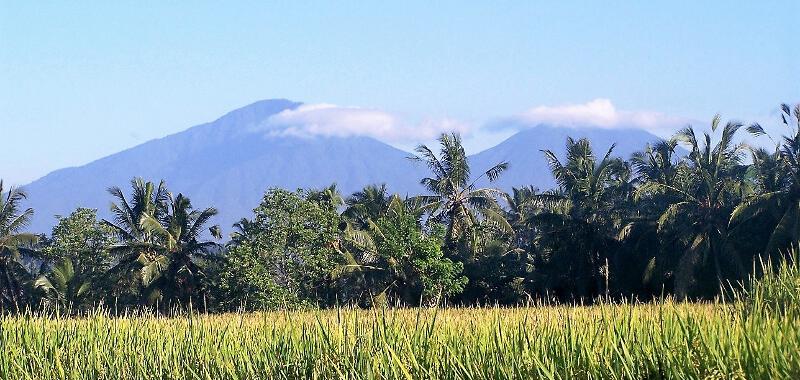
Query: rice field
[(753, 334), (645, 341)]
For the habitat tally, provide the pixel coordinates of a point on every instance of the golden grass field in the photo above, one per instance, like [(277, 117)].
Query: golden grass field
[(644, 341)]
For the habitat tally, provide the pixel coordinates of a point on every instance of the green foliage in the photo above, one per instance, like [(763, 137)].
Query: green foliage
[(288, 254), (680, 217), (78, 251), (455, 199), (415, 260), (778, 181), (82, 238), (63, 286), (14, 244), (389, 258), (160, 257)]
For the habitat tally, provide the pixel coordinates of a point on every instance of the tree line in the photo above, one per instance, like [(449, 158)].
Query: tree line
[(680, 217)]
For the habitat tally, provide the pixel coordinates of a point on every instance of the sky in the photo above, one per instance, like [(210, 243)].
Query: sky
[(81, 80)]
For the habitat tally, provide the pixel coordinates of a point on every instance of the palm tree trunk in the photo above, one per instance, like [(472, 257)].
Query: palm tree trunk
[(684, 274), (11, 288)]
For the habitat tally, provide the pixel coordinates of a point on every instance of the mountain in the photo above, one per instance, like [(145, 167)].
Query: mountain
[(230, 162), (523, 151), (227, 164)]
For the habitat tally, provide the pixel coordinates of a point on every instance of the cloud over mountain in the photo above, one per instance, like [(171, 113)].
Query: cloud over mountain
[(599, 113), (338, 121)]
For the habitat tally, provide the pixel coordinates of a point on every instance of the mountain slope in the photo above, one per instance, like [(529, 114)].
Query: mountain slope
[(226, 164), (230, 162), (527, 163)]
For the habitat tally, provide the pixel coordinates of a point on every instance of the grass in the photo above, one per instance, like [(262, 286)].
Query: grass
[(666, 340), (756, 335)]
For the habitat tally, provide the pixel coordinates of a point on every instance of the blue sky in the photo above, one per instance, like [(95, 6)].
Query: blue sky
[(82, 80)]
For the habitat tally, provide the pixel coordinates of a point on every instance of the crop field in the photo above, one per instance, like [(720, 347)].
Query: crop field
[(662, 340)]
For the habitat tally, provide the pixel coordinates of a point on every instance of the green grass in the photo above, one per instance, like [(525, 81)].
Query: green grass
[(755, 335), (666, 340)]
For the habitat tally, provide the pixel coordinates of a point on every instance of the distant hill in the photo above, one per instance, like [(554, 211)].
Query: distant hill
[(527, 163), (230, 162), (226, 164)]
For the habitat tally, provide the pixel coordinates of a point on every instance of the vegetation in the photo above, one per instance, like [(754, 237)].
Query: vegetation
[(682, 217), (622, 242), (752, 338), (13, 243)]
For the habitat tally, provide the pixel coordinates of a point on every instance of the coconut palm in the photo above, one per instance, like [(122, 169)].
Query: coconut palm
[(578, 221), (778, 179), (520, 204), (63, 286), (366, 270), (709, 186), (135, 247), (13, 244), (455, 199), (657, 163), (176, 272), (326, 195), (370, 203), (160, 247), (146, 199), (393, 257), (244, 231)]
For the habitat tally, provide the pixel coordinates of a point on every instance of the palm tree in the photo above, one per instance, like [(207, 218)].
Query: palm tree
[(580, 218), (146, 199), (63, 286), (160, 250), (709, 184), (176, 272), (520, 204), (136, 243), (370, 203), (13, 244), (327, 195), (657, 163), (244, 232), (455, 198), (369, 273), (393, 258), (778, 179)]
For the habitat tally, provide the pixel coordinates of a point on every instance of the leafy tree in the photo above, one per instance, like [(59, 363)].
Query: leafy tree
[(288, 256), (81, 238), (79, 248), (13, 245), (397, 261)]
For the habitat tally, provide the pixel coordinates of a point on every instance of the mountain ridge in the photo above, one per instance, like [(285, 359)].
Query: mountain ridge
[(229, 163)]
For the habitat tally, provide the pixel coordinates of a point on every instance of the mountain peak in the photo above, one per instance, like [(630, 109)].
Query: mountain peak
[(257, 111), (228, 164)]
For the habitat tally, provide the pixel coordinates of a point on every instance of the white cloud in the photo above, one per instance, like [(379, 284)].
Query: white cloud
[(601, 113), (337, 121), (341, 121)]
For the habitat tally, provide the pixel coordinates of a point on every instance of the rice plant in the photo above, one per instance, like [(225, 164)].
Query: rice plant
[(645, 341)]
